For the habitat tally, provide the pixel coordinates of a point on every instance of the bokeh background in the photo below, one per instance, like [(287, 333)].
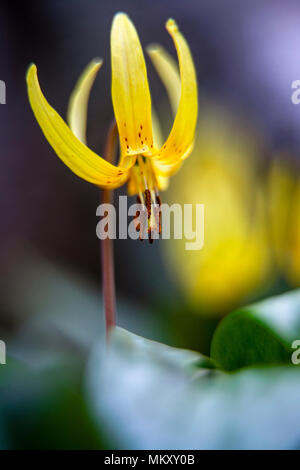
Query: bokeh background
[(245, 169)]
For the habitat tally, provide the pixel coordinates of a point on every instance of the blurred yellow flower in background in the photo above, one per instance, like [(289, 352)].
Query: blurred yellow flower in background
[(235, 260), (284, 217)]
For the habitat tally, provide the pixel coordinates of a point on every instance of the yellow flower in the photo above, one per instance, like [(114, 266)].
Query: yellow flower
[(144, 161), (284, 217)]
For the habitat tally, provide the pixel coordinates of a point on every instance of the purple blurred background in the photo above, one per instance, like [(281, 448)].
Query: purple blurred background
[(246, 55)]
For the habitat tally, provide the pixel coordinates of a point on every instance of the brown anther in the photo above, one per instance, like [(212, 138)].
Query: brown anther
[(137, 215), (136, 218), (140, 227), (148, 202)]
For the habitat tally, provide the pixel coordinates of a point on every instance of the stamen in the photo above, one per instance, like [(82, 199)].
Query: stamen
[(149, 219), (148, 202), (141, 227), (137, 222)]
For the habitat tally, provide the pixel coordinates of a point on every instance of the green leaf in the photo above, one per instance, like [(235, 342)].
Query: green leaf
[(150, 396), (261, 333), (45, 408)]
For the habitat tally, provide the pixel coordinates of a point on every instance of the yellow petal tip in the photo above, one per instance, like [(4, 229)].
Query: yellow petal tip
[(153, 48), (120, 16), (97, 61), (171, 25), (31, 70)]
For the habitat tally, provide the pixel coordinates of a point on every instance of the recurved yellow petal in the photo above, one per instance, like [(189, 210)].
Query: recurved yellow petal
[(180, 141), (165, 170), (79, 158), (162, 182), (78, 103), (168, 72), (130, 89), (156, 130), (162, 179)]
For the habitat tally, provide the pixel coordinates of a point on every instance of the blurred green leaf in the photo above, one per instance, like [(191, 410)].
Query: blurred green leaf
[(61, 312), (150, 396), (261, 333), (3, 439), (45, 409)]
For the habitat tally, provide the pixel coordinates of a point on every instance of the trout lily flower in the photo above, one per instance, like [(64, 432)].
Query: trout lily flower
[(145, 161)]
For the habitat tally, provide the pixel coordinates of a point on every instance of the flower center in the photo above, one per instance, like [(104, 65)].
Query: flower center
[(148, 221)]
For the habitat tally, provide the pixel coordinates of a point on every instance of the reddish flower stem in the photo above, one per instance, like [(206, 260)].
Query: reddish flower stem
[(107, 253)]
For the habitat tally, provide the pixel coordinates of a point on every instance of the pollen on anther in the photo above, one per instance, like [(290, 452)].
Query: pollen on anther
[(148, 202)]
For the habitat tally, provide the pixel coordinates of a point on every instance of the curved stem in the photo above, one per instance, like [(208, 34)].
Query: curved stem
[(107, 254)]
